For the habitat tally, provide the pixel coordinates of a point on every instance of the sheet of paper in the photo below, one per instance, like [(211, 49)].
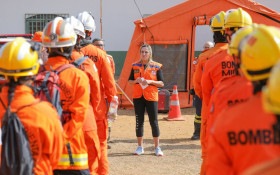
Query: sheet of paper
[(142, 85)]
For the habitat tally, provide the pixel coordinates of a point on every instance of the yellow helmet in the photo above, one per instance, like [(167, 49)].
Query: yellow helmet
[(237, 37), (58, 33), (237, 18), (259, 52), (271, 93), (18, 59), (217, 22)]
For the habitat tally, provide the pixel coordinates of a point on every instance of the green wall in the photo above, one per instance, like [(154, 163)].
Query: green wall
[(119, 57), (196, 53)]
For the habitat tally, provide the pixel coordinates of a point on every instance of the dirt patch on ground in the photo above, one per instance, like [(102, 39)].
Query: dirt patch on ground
[(181, 155)]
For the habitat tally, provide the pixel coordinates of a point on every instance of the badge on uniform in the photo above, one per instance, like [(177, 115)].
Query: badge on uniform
[(154, 72), (136, 71)]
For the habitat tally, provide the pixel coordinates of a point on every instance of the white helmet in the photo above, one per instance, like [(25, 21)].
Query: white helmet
[(77, 25), (88, 21), (58, 33)]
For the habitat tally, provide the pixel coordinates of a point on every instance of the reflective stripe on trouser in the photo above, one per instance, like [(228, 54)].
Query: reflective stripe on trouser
[(75, 160), (197, 119)]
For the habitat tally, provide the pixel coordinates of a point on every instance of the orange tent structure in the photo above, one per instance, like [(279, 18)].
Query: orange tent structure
[(171, 33)]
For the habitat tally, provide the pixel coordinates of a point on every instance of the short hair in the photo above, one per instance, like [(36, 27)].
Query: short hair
[(97, 39)]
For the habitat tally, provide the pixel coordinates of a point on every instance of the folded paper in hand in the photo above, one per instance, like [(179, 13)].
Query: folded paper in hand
[(142, 85)]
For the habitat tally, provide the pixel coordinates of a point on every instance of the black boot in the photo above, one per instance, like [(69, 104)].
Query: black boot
[(196, 134)]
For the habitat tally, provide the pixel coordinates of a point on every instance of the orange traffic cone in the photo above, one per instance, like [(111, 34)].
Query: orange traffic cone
[(174, 106)]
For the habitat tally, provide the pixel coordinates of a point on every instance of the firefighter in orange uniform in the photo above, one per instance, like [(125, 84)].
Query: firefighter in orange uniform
[(232, 90), (271, 102), (100, 44), (221, 64), (59, 37), (219, 67), (40, 119), (217, 26), (89, 127), (106, 79), (197, 103), (235, 89), (242, 136)]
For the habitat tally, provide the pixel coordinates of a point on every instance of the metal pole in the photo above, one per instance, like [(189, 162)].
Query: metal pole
[(124, 94), (101, 19)]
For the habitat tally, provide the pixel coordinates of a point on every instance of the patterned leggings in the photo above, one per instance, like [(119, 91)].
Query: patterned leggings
[(140, 105)]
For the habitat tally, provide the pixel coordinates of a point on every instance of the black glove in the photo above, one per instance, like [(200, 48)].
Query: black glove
[(192, 92)]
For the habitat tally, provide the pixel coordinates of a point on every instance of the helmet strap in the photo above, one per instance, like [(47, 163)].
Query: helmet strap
[(258, 85), (88, 34)]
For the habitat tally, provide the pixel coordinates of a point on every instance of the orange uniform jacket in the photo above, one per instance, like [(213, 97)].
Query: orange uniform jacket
[(150, 93), (94, 84), (42, 126), (202, 58), (230, 91), (75, 100), (242, 136), (104, 71), (218, 67)]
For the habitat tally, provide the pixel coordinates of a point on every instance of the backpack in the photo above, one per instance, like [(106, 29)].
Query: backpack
[(77, 63), (46, 86), (16, 156)]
